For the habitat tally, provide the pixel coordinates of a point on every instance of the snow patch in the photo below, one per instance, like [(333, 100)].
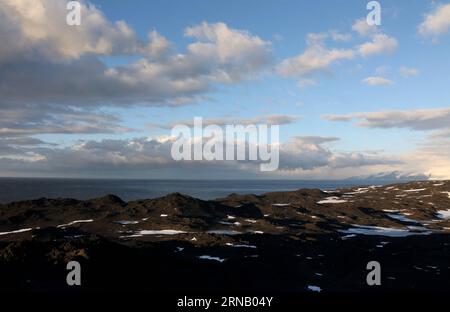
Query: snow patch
[(126, 222), (314, 288), (331, 200), (443, 214), (240, 245), (206, 257), (75, 222), (16, 231), (415, 190), (160, 232), (383, 231)]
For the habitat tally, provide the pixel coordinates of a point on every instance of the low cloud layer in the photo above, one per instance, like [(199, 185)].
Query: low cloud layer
[(426, 119), (268, 120), (139, 157)]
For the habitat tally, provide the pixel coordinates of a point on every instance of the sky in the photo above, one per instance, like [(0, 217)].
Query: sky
[(99, 99)]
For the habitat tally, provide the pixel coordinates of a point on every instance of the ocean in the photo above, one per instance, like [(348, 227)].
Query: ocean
[(15, 189)]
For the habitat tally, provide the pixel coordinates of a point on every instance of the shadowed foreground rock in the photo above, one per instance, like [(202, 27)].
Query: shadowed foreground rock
[(282, 242)]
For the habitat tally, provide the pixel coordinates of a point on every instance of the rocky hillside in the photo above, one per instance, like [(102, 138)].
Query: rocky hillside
[(304, 240)]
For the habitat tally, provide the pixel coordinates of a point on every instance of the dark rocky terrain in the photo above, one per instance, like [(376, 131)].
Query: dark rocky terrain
[(285, 242)]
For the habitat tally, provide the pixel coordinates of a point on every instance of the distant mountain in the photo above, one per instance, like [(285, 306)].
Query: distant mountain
[(393, 176)]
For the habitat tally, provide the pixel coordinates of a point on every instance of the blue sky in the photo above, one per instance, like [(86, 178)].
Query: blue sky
[(409, 75), (286, 24)]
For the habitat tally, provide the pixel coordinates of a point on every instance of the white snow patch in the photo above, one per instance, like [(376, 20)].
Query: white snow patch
[(126, 222), (348, 236), (163, 215), (444, 214), (281, 205), (240, 245), (230, 223), (401, 218), (360, 190), (314, 288), (16, 231), (206, 257), (448, 194), (415, 190), (131, 236), (75, 222), (331, 200), (161, 232), (382, 231)]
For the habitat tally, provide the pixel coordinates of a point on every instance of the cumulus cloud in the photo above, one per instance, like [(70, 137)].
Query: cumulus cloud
[(437, 22), (158, 46), (338, 36), (317, 57), (363, 28), (57, 70), (236, 51), (32, 29), (153, 79), (377, 81), (380, 43), (425, 119)]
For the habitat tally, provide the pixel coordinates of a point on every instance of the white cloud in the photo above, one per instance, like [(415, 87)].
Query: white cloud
[(436, 22), (159, 77), (431, 157), (337, 36), (31, 30), (380, 43), (425, 119), (35, 44), (408, 72), (363, 28), (221, 44), (377, 81), (139, 157), (158, 46), (317, 57)]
